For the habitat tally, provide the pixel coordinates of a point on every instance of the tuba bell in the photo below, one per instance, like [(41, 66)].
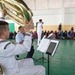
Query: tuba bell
[(16, 10)]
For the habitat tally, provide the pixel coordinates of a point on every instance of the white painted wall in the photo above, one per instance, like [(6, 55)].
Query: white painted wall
[(53, 11), (55, 16), (11, 21), (69, 16), (49, 17)]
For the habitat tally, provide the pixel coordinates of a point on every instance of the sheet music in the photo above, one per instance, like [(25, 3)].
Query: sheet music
[(43, 45), (50, 35)]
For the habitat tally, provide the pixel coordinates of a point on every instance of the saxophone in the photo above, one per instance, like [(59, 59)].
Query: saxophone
[(17, 10)]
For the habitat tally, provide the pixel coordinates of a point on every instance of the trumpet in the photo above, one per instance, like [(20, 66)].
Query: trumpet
[(17, 10)]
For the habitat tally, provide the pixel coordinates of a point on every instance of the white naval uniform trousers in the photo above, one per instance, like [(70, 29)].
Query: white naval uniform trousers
[(39, 32)]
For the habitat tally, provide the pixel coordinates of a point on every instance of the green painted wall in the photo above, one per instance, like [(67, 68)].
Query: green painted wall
[(11, 27)]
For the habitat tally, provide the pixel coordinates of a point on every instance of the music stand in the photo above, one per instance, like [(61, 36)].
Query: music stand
[(43, 58), (50, 47)]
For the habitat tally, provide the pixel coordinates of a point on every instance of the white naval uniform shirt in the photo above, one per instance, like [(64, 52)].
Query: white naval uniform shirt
[(39, 27), (7, 58)]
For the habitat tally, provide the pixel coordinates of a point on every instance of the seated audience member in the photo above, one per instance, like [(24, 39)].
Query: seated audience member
[(56, 34), (65, 34), (61, 35), (52, 35), (71, 35), (45, 32), (20, 38), (35, 36), (8, 50)]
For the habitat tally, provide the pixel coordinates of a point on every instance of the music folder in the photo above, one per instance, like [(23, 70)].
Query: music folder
[(48, 46)]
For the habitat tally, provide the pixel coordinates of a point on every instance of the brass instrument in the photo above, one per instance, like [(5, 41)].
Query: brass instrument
[(17, 10)]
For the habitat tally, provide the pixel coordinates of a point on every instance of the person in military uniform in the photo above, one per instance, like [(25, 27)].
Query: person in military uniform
[(8, 50)]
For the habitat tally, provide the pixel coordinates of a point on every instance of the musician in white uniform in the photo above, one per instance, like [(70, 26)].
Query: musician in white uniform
[(10, 65), (39, 30)]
